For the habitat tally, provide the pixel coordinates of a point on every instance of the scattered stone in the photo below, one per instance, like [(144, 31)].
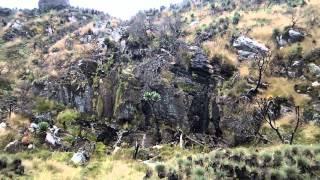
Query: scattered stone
[(79, 158), (290, 36), (3, 125), (314, 70), (13, 147), (315, 84), (53, 140), (31, 146), (33, 127)]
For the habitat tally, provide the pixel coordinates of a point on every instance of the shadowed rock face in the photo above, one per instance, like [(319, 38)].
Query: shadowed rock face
[(53, 4)]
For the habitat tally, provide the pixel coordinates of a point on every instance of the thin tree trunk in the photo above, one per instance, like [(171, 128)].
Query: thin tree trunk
[(259, 80), (297, 125), (136, 150)]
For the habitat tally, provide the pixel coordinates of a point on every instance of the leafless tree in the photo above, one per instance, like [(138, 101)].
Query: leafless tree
[(265, 114), (262, 63), (297, 124), (264, 106)]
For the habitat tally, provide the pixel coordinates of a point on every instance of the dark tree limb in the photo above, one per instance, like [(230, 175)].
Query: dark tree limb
[(297, 124), (262, 61)]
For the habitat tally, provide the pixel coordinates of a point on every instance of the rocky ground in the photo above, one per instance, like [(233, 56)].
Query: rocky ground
[(189, 79)]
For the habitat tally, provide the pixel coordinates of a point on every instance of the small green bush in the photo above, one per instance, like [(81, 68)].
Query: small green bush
[(43, 126), (295, 150), (100, 150), (303, 164), (277, 160), (46, 105), (266, 157), (161, 170), (292, 172), (68, 116), (199, 173), (152, 96), (307, 153), (277, 174), (236, 18)]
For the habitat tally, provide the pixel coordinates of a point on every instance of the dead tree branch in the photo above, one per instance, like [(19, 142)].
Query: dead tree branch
[(262, 63), (297, 124)]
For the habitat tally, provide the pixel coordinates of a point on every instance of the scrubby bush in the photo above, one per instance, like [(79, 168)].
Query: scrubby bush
[(46, 105), (67, 117), (6, 138), (277, 175), (292, 172), (161, 170), (303, 164), (43, 126), (295, 150), (266, 157), (277, 159), (199, 173), (100, 150), (152, 96), (236, 18), (307, 153)]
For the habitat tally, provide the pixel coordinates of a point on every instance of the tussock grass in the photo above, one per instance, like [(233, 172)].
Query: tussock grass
[(283, 87)]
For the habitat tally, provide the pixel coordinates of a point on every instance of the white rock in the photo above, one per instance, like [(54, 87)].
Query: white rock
[(314, 69), (316, 84), (78, 158), (30, 146), (33, 127), (51, 139), (3, 125), (157, 147)]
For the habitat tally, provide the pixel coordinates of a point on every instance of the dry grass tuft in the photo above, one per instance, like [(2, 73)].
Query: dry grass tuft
[(283, 87)]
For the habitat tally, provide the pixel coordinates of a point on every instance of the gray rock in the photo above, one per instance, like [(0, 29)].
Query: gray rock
[(246, 54), (199, 62), (246, 44), (289, 37), (314, 70), (295, 36), (52, 139), (79, 158), (13, 147), (33, 127), (53, 4), (88, 67), (3, 125)]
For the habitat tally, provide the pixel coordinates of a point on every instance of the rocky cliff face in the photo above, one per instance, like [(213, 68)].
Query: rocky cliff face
[(115, 95), (53, 4)]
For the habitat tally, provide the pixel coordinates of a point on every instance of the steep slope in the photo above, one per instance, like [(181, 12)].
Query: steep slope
[(80, 81)]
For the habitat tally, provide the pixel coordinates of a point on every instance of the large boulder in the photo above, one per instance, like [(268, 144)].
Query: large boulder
[(199, 62), (290, 36), (248, 48), (53, 4)]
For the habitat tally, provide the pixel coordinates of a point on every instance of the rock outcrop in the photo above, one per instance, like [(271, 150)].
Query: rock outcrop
[(53, 4), (248, 48)]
